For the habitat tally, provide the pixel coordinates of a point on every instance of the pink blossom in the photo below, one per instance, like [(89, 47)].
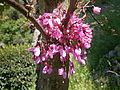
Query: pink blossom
[(64, 75), (45, 21), (71, 71), (58, 20), (50, 70), (50, 23), (78, 51), (63, 53), (47, 69), (80, 60), (43, 58), (56, 34), (31, 49), (85, 26), (96, 10), (53, 48), (37, 60), (50, 54), (35, 50), (81, 34), (56, 12), (87, 45), (67, 49), (60, 71)]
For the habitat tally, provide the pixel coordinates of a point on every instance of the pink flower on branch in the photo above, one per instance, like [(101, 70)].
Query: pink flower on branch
[(96, 10), (62, 72), (71, 69), (47, 69), (35, 50)]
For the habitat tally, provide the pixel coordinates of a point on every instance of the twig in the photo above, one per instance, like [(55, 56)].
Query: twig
[(113, 72), (95, 18), (25, 12), (70, 11), (25, 2)]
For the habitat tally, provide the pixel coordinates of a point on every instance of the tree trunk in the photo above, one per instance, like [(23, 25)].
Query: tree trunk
[(52, 81)]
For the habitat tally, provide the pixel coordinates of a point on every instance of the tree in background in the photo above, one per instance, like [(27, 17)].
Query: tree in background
[(57, 34)]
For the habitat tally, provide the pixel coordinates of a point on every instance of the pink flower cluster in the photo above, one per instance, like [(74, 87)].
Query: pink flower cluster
[(74, 39)]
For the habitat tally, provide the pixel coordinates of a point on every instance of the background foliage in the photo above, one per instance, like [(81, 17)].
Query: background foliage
[(17, 70), (14, 28), (102, 71)]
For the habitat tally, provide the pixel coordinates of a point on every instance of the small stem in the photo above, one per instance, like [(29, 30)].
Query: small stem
[(83, 9), (70, 11), (25, 12), (95, 19)]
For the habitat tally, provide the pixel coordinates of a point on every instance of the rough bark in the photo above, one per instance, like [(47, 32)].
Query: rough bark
[(52, 81)]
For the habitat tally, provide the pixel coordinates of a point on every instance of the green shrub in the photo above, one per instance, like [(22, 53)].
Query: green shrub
[(17, 69), (15, 32)]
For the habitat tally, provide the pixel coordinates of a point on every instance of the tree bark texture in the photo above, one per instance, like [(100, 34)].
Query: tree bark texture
[(52, 81)]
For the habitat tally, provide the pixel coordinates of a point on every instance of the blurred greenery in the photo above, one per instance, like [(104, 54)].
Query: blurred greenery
[(102, 71)]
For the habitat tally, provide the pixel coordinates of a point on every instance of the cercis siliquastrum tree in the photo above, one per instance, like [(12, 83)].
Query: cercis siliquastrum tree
[(64, 33), (68, 34)]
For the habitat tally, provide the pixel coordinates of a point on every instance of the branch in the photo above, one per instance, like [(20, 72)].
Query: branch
[(25, 2), (25, 12), (70, 11), (95, 19)]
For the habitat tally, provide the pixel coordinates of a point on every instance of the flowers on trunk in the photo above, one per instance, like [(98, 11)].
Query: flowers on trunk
[(74, 39)]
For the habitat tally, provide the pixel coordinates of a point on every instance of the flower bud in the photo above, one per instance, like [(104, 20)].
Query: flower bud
[(96, 10)]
